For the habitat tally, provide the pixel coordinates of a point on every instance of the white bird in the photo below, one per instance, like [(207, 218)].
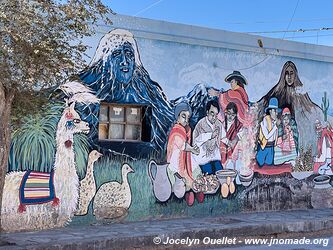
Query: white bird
[(78, 92), (88, 184), (113, 198)]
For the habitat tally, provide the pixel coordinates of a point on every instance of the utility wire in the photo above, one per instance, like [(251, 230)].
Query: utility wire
[(279, 21), (289, 31), (291, 37), (147, 8), (291, 19)]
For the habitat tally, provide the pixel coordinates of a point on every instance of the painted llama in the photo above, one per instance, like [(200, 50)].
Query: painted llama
[(15, 216)]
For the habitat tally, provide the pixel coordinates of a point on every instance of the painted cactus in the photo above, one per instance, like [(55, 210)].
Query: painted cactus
[(325, 105)]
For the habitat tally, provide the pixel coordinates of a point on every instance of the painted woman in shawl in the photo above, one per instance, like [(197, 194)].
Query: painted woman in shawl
[(179, 150), (236, 94), (286, 147), (117, 75), (233, 128)]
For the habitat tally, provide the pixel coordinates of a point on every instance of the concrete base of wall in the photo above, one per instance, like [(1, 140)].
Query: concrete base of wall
[(143, 234)]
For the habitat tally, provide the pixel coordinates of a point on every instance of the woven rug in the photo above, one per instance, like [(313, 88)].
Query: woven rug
[(37, 188)]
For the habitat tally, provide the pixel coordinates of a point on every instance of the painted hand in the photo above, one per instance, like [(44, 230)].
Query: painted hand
[(215, 133)]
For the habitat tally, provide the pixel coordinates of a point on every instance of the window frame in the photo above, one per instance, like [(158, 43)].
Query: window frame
[(124, 123)]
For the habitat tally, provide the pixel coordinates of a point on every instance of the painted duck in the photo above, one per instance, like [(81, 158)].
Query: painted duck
[(113, 199), (87, 186)]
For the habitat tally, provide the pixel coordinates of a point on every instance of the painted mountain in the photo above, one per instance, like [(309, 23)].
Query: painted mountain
[(197, 98), (117, 75), (305, 111)]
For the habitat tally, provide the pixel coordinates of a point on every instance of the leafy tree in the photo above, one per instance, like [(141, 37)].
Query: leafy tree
[(40, 44)]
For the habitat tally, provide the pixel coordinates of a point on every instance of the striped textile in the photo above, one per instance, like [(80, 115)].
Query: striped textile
[(285, 149), (240, 98), (36, 188)]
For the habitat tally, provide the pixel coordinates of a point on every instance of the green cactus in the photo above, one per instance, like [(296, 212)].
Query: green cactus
[(325, 105)]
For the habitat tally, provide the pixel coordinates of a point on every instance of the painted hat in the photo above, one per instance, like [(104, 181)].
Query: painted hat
[(182, 106), (236, 75), (273, 104), (286, 111)]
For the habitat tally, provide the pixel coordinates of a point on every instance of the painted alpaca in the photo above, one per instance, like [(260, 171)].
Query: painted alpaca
[(15, 216)]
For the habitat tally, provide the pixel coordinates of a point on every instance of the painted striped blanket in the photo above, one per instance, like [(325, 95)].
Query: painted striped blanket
[(37, 188)]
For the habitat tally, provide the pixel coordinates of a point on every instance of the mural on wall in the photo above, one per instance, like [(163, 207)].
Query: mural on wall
[(216, 150)]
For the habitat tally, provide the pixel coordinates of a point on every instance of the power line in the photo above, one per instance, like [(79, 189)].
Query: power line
[(147, 8), (290, 31), (280, 21), (291, 19), (295, 37)]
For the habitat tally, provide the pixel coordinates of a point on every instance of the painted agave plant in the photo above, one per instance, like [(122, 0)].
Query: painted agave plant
[(33, 144)]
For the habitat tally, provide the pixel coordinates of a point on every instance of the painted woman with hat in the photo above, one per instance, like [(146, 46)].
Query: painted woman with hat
[(287, 143), (236, 94), (268, 133)]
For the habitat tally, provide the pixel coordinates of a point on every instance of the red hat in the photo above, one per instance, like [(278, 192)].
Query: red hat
[(286, 111)]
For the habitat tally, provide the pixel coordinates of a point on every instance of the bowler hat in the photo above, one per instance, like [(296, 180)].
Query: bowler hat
[(236, 75), (273, 104)]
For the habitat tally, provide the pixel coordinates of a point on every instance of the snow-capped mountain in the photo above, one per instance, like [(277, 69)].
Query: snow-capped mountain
[(197, 98)]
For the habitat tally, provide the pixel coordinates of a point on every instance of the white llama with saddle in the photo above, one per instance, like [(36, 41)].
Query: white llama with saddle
[(34, 200)]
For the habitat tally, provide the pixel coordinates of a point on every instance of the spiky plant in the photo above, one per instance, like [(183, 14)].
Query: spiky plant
[(33, 144), (304, 161)]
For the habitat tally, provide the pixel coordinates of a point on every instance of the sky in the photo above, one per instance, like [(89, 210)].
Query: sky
[(242, 16)]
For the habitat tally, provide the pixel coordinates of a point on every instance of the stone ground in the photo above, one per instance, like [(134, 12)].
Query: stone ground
[(146, 234)]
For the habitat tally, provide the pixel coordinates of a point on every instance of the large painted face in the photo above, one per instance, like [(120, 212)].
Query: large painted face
[(123, 62), (212, 114), (183, 118), (231, 115), (73, 121), (290, 76)]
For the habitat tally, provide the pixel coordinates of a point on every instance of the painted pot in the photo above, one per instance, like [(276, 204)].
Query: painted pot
[(246, 180), (301, 175), (322, 194), (223, 174), (322, 181), (178, 187), (160, 180)]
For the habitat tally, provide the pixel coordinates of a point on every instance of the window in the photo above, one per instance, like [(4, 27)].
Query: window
[(121, 122)]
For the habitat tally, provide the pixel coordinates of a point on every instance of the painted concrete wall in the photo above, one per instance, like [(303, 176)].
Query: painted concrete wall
[(204, 156)]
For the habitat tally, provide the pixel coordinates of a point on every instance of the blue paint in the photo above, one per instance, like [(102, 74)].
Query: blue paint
[(122, 60)]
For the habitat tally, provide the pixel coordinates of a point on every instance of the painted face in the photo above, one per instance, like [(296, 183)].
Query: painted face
[(273, 113), (318, 128), (183, 118), (231, 115), (212, 114), (74, 122), (290, 76), (123, 62), (233, 84), (286, 120)]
